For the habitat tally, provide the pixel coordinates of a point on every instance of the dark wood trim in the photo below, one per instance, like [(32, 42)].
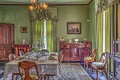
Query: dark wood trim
[(15, 4), (48, 4), (66, 4), (90, 2)]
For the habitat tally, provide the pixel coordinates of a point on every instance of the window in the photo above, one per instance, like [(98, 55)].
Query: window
[(45, 36), (103, 31)]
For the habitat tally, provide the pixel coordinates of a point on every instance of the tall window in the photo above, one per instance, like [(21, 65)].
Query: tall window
[(103, 31), (45, 36)]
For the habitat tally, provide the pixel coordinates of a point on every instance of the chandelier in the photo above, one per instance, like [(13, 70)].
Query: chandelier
[(40, 10)]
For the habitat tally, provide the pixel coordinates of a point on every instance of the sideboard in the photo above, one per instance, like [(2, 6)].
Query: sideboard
[(75, 51)]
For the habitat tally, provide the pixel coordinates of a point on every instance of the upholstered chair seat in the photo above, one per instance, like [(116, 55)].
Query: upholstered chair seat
[(88, 58), (33, 76), (97, 64)]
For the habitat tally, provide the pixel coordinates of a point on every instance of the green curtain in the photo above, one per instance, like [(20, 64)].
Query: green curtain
[(50, 39), (39, 33), (112, 35), (107, 30), (99, 37)]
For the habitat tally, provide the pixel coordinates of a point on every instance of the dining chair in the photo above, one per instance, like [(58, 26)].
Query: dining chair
[(60, 59), (21, 53), (100, 65), (11, 57), (90, 58), (48, 76), (24, 68), (65, 48), (45, 50)]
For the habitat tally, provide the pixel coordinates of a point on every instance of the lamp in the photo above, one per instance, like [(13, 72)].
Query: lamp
[(40, 10)]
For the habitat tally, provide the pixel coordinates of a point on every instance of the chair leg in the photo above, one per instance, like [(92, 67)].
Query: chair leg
[(12, 76), (86, 65), (97, 74), (92, 70), (106, 74)]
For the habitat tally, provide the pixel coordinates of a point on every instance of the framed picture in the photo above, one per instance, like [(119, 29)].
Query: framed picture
[(73, 27), (23, 29)]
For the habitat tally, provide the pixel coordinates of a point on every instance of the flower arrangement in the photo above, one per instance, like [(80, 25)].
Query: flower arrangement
[(61, 39)]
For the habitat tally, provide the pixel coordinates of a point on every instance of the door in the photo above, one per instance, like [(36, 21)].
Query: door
[(6, 40)]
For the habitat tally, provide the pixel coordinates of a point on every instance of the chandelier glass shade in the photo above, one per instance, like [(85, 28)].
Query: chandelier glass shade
[(40, 9)]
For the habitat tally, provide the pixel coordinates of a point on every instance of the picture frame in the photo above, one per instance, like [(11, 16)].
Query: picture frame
[(23, 29), (73, 28)]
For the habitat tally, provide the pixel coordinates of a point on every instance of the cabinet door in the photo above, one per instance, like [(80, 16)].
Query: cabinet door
[(6, 40)]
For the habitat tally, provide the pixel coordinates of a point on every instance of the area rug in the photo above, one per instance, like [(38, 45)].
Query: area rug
[(73, 71)]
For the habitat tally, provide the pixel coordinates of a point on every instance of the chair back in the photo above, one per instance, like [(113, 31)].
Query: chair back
[(45, 50), (93, 53), (60, 57), (26, 66), (11, 57), (104, 58), (21, 53)]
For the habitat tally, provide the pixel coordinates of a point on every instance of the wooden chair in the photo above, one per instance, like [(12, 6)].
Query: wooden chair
[(11, 57), (101, 64), (47, 76), (45, 50), (21, 53), (26, 66), (90, 58), (60, 59), (65, 48)]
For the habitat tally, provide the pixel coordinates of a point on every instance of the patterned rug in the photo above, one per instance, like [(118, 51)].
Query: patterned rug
[(73, 71)]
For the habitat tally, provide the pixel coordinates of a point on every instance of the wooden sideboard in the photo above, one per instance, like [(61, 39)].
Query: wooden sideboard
[(75, 51), (22, 47)]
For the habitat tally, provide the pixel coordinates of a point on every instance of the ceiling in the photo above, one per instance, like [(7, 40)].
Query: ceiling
[(52, 2)]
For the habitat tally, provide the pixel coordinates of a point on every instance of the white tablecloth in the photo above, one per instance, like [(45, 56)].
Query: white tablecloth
[(42, 62)]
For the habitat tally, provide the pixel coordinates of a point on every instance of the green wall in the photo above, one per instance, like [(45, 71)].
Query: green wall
[(19, 16), (92, 24), (72, 14)]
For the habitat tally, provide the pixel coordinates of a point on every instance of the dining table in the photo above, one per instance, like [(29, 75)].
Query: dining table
[(43, 62)]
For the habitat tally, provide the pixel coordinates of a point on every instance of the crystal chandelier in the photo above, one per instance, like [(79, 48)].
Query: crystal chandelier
[(40, 10)]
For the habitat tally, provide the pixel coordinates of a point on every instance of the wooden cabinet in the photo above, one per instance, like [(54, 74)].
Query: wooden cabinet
[(6, 40), (74, 51), (22, 47)]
